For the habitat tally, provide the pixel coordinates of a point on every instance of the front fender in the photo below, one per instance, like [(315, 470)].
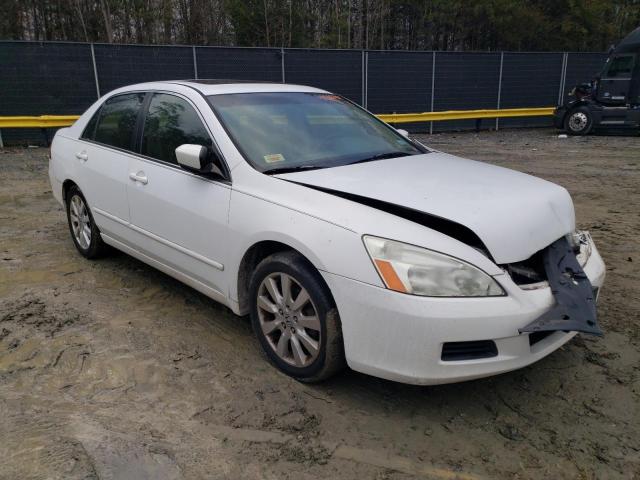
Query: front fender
[(329, 247), (561, 112)]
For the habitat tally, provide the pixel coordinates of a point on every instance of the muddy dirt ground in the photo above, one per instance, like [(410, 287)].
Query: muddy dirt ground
[(110, 369)]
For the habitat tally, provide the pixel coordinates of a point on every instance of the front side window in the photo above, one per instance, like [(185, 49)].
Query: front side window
[(279, 131), (117, 119), (171, 122), (620, 67)]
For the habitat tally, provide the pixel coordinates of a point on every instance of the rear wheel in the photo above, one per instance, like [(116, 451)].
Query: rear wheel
[(295, 319), (579, 121), (84, 232)]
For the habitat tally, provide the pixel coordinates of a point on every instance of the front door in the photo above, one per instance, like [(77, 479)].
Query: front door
[(179, 218), (613, 88)]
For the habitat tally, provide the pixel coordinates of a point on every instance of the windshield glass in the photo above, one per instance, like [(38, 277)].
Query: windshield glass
[(294, 131)]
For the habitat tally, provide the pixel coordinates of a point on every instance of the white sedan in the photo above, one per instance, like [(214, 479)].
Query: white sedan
[(345, 240)]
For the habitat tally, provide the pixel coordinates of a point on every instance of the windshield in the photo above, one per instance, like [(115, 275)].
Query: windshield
[(279, 132)]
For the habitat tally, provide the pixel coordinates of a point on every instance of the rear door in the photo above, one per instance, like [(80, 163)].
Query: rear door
[(104, 151), (179, 218), (616, 79)]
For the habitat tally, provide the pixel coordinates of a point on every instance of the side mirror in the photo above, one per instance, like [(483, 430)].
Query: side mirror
[(197, 158), (403, 132)]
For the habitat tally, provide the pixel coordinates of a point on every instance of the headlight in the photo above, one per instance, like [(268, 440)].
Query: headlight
[(418, 271)]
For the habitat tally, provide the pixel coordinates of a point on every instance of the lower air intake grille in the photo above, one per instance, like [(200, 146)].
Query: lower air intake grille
[(455, 351), (536, 337)]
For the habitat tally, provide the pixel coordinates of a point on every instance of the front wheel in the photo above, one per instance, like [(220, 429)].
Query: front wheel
[(578, 121), (295, 319)]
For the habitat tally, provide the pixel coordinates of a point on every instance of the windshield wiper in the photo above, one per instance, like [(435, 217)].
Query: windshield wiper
[(299, 168), (382, 156)]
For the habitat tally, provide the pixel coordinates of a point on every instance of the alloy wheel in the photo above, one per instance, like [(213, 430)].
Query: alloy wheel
[(80, 221), (289, 320)]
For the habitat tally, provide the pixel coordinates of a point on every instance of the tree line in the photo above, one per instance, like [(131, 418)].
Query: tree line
[(481, 25)]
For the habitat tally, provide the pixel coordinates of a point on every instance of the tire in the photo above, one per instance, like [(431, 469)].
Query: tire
[(84, 232), (290, 316), (578, 121)]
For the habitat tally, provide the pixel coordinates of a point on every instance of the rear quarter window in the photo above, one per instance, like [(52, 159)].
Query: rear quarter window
[(90, 130)]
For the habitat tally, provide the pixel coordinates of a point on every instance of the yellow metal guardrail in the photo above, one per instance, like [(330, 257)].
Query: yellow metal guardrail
[(54, 121), (465, 115), (43, 121)]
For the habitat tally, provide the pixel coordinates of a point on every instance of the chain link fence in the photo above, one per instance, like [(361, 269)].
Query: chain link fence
[(58, 78)]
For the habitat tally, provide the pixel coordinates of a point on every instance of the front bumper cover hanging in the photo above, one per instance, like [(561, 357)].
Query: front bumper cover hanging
[(575, 307)]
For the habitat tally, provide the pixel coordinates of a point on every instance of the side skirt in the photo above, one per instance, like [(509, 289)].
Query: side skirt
[(172, 272)]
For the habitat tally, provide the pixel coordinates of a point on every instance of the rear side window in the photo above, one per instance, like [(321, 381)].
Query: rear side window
[(117, 119), (171, 122)]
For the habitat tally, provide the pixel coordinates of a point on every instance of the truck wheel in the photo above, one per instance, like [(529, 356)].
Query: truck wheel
[(295, 318), (578, 121)]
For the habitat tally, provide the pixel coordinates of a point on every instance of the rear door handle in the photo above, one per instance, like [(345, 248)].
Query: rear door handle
[(139, 177), (82, 156)]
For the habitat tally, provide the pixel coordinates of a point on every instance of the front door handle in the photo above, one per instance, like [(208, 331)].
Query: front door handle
[(82, 156), (139, 177)]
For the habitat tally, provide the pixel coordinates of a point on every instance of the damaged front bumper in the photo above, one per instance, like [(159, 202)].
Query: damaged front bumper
[(575, 297), (404, 338)]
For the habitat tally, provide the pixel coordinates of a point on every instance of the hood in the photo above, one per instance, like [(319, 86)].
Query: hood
[(514, 214)]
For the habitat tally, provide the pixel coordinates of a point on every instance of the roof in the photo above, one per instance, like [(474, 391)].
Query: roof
[(218, 87), (222, 86), (221, 81)]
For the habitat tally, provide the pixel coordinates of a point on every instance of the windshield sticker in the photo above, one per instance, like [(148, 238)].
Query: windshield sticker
[(274, 158)]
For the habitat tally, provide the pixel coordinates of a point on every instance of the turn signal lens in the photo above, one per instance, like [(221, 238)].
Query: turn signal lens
[(389, 276), (418, 271)]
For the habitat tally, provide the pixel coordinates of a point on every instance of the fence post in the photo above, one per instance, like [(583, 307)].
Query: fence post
[(499, 87), (363, 79), (95, 70), (433, 86), (366, 79), (563, 77), (282, 64), (195, 62), (1, 144)]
